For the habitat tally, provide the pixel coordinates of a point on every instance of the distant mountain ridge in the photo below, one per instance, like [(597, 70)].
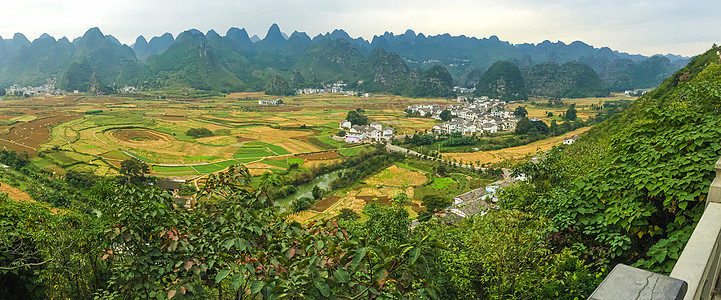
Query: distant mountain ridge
[(237, 62)]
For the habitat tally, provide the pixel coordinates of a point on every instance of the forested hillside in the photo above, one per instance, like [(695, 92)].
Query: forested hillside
[(233, 62), (632, 189)]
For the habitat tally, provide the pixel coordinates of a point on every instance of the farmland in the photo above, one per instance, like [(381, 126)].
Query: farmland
[(97, 133)]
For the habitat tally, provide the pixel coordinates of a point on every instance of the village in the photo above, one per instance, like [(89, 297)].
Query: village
[(469, 117)]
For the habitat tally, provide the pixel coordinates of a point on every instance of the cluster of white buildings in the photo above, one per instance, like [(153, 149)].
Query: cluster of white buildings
[(463, 90), (270, 101), (127, 89), (360, 133), (354, 93), (337, 87), (482, 116), (636, 92), (46, 89)]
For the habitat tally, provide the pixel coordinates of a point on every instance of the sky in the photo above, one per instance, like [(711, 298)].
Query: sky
[(639, 26)]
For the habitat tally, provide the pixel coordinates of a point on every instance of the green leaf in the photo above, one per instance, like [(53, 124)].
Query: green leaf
[(682, 205), (359, 254), (228, 243), (323, 288), (255, 287), (342, 275), (660, 256), (237, 281), (432, 292), (221, 275), (414, 255)]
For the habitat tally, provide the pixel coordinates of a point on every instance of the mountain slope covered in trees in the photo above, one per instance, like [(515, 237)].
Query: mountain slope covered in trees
[(235, 62), (632, 189)]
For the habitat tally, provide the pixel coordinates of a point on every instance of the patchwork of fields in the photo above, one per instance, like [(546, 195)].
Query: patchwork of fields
[(97, 133)]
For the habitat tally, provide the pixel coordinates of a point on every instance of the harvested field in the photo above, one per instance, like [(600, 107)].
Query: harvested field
[(316, 163), (398, 177), (175, 118), (319, 156), (139, 135), (515, 153), (28, 136), (258, 168), (162, 147), (326, 203), (303, 216), (283, 138), (251, 95)]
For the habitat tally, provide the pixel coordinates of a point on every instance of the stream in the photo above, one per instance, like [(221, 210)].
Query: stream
[(306, 189)]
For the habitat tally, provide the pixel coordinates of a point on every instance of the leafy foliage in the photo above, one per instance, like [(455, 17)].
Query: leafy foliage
[(632, 189), (199, 132)]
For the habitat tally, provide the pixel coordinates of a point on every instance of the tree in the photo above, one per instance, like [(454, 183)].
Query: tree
[(133, 169), (355, 117), (446, 115), (523, 126), (199, 132), (571, 112), (435, 203), (317, 193), (520, 111), (341, 133), (2, 92)]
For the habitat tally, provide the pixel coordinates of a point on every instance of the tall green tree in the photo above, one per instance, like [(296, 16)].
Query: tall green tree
[(520, 111), (571, 113), (446, 115), (133, 169), (357, 118)]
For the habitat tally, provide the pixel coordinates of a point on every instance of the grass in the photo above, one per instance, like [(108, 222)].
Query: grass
[(175, 171), (352, 151), (442, 183), (277, 149), (252, 152), (61, 158), (26, 118), (147, 160), (410, 168), (192, 159), (211, 168)]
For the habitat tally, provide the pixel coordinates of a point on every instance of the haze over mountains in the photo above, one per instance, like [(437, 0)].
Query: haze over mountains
[(410, 64)]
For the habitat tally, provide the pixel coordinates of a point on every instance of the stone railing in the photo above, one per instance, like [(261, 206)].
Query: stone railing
[(696, 273)]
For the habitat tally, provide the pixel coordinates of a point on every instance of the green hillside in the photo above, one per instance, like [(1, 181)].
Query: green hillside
[(570, 80), (503, 80), (633, 187)]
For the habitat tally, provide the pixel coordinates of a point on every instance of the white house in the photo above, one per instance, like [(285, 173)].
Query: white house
[(376, 125), (345, 124), (570, 140), (388, 133), (490, 127)]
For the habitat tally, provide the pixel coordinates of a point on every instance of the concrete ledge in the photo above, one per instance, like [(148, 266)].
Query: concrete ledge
[(625, 282), (714, 191), (699, 262)]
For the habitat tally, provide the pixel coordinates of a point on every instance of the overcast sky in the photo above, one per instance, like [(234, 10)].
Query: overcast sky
[(637, 26)]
